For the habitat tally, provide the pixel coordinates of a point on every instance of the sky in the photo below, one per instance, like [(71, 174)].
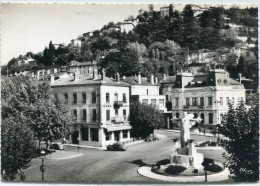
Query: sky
[(30, 27)]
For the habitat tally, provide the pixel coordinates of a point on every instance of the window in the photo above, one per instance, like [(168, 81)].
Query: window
[(177, 115), (94, 115), (194, 101), (116, 97), (84, 134), (84, 115), (202, 118), (125, 133), (201, 101), (221, 118), (161, 102), (94, 134), (124, 114), (74, 98), (107, 98), (147, 91), (116, 112), (94, 99), (187, 102), (66, 97), (209, 101), (176, 102), (124, 97), (221, 100), (74, 114), (108, 136), (84, 98), (227, 100), (145, 101), (167, 97), (153, 102), (247, 54), (210, 117), (108, 115)]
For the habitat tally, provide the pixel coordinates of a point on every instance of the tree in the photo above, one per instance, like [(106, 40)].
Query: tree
[(46, 114), (144, 119), (51, 52), (242, 129), (17, 147)]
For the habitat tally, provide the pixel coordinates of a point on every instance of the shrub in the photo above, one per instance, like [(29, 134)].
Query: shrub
[(175, 169), (116, 147), (214, 168)]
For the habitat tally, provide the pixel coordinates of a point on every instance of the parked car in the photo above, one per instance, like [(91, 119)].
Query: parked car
[(57, 146)]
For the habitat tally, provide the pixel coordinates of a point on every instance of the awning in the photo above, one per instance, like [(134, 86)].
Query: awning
[(116, 128)]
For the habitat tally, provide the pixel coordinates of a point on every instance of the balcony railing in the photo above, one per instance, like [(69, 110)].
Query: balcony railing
[(118, 104), (118, 119)]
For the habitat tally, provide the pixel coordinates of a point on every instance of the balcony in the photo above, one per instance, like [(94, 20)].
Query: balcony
[(118, 119), (118, 104)]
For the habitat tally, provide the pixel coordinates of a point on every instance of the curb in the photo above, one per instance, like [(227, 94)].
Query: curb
[(192, 133), (146, 172), (66, 157)]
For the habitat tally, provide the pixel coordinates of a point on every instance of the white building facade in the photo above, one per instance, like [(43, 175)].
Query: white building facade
[(100, 107), (206, 96)]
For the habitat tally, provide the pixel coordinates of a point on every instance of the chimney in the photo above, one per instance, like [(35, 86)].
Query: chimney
[(164, 76), (117, 77), (95, 74), (103, 74), (55, 70), (239, 74), (152, 79), (52, 79), (156, 80), (76, 76), (123, 77), (139, 78), (48, 71)]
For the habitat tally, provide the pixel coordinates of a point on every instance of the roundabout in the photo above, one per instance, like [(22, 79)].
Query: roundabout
[(147, 172)]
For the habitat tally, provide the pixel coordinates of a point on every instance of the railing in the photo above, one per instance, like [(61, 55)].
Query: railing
[(118, 104), (118, 119)]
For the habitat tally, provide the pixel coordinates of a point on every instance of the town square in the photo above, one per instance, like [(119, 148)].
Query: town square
[(140, 93)]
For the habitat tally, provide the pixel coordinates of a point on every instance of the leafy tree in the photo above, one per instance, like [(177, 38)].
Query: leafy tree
[(51, 52), (144, 119), (17, 147), (242, 129), (43, 112)]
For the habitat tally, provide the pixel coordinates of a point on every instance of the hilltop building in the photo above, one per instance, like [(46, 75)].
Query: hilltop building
[(82, 67), (99, 105)]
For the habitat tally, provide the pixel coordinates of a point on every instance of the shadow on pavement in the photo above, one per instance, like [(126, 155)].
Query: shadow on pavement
[(137, 162)]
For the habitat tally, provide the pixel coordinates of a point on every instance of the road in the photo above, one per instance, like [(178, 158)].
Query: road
[(97, 166)]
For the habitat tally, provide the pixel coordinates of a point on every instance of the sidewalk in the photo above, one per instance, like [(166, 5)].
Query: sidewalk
[(62, 155), (192, 133)]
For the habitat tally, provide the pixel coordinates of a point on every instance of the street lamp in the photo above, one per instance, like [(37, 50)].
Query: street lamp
[(42, 167), (218, 126)]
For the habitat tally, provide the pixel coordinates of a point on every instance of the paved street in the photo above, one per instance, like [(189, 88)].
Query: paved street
[(106, 166)]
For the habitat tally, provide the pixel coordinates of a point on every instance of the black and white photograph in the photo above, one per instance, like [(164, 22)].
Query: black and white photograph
[(129, 93)]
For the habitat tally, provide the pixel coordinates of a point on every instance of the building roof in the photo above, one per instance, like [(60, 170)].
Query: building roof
[(86, 80), (168, 80), (132, 80), (85, 63)]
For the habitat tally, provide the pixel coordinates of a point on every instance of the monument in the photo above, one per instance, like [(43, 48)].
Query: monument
[(187, 154)]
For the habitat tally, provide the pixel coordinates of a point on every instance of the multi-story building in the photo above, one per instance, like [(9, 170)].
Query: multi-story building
[(146, 91), (99, 105), (82, 68), (206, 96)]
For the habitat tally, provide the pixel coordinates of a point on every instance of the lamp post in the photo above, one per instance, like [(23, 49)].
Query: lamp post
[(218, 126), (42, 167)]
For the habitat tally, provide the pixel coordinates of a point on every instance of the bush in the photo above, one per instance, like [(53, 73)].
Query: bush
[(175, 169), (214, 168), (116, 147)]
